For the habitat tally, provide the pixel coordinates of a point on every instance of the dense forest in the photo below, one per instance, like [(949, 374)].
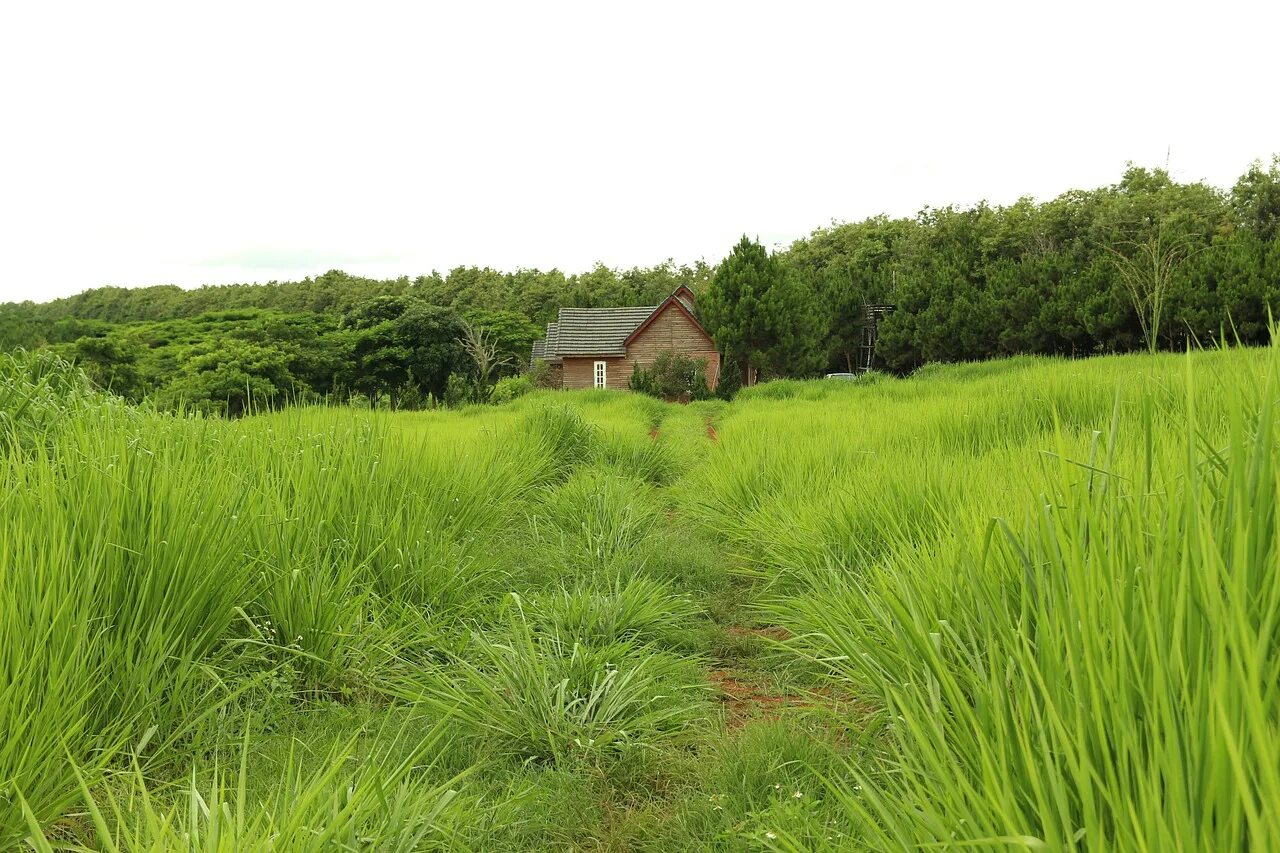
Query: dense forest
[(1145, 263), (397, 341)]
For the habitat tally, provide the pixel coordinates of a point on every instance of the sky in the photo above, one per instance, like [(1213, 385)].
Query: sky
[(222, 142)]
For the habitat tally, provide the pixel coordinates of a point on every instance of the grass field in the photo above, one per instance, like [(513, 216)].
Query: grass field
[(1026, 604)]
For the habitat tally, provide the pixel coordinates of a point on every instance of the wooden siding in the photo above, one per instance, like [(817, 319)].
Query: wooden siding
[(580, 372), (673, 330)]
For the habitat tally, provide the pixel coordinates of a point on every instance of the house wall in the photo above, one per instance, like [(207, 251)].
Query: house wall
[(579, 372), (673, 330)]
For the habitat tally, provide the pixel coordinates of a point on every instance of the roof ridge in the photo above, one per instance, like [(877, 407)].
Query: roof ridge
[(618, 308)]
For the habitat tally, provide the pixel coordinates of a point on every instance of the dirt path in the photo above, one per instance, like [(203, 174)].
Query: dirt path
[(745, 693), (767, 698), (742, 680)]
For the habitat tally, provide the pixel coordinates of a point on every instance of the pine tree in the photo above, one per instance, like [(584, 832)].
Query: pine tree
[(762, 314)]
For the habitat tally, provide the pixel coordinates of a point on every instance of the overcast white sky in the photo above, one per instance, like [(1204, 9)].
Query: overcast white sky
[(218, 142)]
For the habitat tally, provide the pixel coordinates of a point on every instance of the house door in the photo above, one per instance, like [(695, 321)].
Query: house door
[(602, 380)]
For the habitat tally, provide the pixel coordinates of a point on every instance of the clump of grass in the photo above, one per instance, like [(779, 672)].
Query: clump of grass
[(121, 578), (600, 614), (640, 457), (1051, 733), (596, 519), (40, 391), (348, 802), (156, 567), (794, 389), (537, 696), (564, 438), (652, 410)]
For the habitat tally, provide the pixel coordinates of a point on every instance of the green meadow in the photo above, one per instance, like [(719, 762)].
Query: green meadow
[(1029, 604)]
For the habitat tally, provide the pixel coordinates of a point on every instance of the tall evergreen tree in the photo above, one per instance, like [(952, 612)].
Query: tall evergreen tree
[(762, 315)]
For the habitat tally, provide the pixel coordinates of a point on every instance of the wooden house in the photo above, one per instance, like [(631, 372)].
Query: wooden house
[(600, 347)]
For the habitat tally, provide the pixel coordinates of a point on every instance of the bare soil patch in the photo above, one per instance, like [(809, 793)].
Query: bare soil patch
[(768, 632), (746, 700)]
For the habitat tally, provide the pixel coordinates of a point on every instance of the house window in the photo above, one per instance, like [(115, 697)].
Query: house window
[(600, 374)]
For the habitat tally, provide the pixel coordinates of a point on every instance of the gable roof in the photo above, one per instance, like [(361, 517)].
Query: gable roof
[(686, 297), (680, 301), (606, 331), (598, 331)]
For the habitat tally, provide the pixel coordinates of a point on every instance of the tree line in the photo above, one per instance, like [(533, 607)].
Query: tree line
[(404, 343), (1147, 262)]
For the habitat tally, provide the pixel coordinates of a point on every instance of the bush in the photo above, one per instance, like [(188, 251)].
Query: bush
[(673, 376), (510, 388), (730, 380), (540, 374), (460, 390)]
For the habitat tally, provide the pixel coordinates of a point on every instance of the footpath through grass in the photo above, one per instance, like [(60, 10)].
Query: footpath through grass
[(1028, 604)]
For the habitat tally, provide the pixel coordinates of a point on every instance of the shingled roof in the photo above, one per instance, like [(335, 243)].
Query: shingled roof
[(597, 331), (549, 351)]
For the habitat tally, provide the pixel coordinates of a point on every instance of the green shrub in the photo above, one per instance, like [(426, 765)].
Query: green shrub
[(509, 388), (673, 376), (461, 390), (540, 374)]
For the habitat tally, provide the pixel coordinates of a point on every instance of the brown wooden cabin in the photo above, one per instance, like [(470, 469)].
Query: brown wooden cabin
[(600, 347)]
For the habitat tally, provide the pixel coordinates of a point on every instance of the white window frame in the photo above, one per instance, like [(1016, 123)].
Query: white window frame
[(601, 374)]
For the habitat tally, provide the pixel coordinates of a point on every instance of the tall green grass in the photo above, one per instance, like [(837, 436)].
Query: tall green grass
[(157, 568), (1056, 581), (348, 802), (1038, 600)]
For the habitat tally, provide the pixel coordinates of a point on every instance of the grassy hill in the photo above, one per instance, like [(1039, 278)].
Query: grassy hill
[(1019, 604)]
